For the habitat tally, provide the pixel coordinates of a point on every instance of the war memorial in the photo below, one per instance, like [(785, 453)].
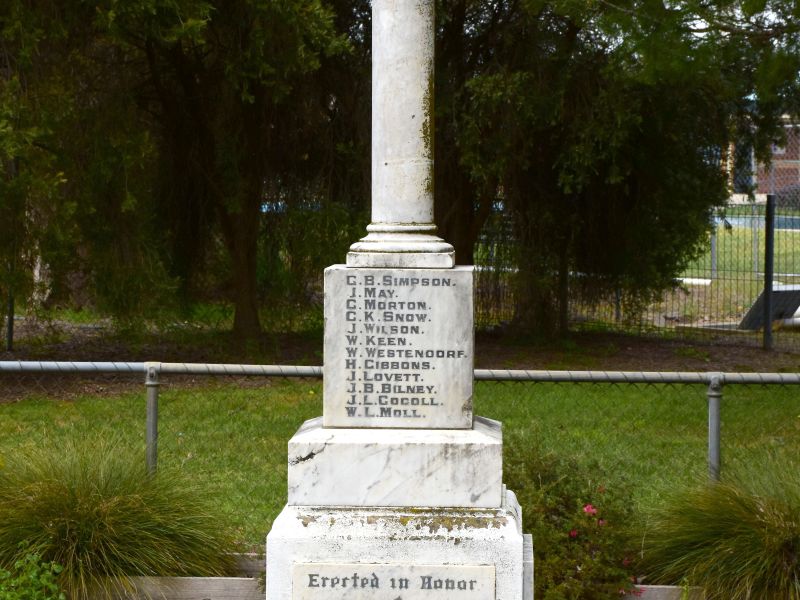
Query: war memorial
[(396, 491)]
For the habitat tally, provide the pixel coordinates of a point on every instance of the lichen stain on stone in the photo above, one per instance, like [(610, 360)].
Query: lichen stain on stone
[(451, 522), (419, 518), (466, 408), (429, 538), (427, 116), (306, 519)]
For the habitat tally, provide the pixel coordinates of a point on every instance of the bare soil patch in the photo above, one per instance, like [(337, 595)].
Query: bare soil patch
[(617, 352)]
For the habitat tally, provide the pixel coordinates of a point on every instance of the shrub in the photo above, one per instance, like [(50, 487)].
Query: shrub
[(579, 522), (30, 579), (738, 539), (91, 508)]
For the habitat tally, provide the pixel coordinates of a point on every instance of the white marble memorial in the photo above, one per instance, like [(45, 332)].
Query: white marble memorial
[(399, 348), (410, 467), (396, 492)]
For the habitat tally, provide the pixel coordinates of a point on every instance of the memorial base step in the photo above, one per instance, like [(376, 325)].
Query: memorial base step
[(341, 553)]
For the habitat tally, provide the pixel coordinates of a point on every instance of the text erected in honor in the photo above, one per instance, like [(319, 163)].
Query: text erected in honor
[(325, 581)]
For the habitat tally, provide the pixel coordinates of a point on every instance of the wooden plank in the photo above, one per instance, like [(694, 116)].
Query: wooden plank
[(251, 565), (193, 588)]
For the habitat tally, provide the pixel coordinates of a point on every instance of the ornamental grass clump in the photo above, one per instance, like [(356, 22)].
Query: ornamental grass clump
[(92, 509), (738, 539)]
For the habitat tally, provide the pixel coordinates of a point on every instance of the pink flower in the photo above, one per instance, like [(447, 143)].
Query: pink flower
[(626, 561), (589, 509), (601, 522), (573, 533)]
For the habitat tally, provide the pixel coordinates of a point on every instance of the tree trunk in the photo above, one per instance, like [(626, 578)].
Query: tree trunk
[(193, 181), (535, 307), (10, 322), (246, 322), (12, 168), (456, 218), (240, 224), (563, 290)]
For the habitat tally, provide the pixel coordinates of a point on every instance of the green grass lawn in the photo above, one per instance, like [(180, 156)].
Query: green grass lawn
[(740, 254), (233, 438)]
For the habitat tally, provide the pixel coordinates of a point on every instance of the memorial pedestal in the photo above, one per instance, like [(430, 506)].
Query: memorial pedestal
[(396, 492), (409, 553), (398, 514)]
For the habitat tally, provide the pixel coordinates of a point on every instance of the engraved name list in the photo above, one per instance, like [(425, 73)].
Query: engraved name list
[(398, 348)]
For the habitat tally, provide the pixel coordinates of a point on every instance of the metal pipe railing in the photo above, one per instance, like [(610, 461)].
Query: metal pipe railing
[(540, 376), (154, 370)]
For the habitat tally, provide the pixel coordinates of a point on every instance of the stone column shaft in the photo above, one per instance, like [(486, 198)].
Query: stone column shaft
[(402, 107), (402, 232)]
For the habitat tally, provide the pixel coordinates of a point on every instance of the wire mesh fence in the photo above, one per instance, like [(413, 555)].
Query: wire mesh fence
[(228, 425), (716, 294)]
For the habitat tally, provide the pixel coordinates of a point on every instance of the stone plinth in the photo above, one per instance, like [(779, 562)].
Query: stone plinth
[(406, 467), (477, 549), (398, 348)]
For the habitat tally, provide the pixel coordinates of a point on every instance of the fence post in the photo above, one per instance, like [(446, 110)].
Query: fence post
[(151, 425), (714, 253), (714, 395), (769, 270), (754, 231), (714, 246)]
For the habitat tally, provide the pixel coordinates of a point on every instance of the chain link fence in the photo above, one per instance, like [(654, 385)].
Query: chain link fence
[(228, 425)]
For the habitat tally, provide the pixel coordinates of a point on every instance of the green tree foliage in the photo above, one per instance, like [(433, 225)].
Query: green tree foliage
[(82, 162), (33, 226), (150, 149), (181, 121), (601, 126), (234, 117)]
